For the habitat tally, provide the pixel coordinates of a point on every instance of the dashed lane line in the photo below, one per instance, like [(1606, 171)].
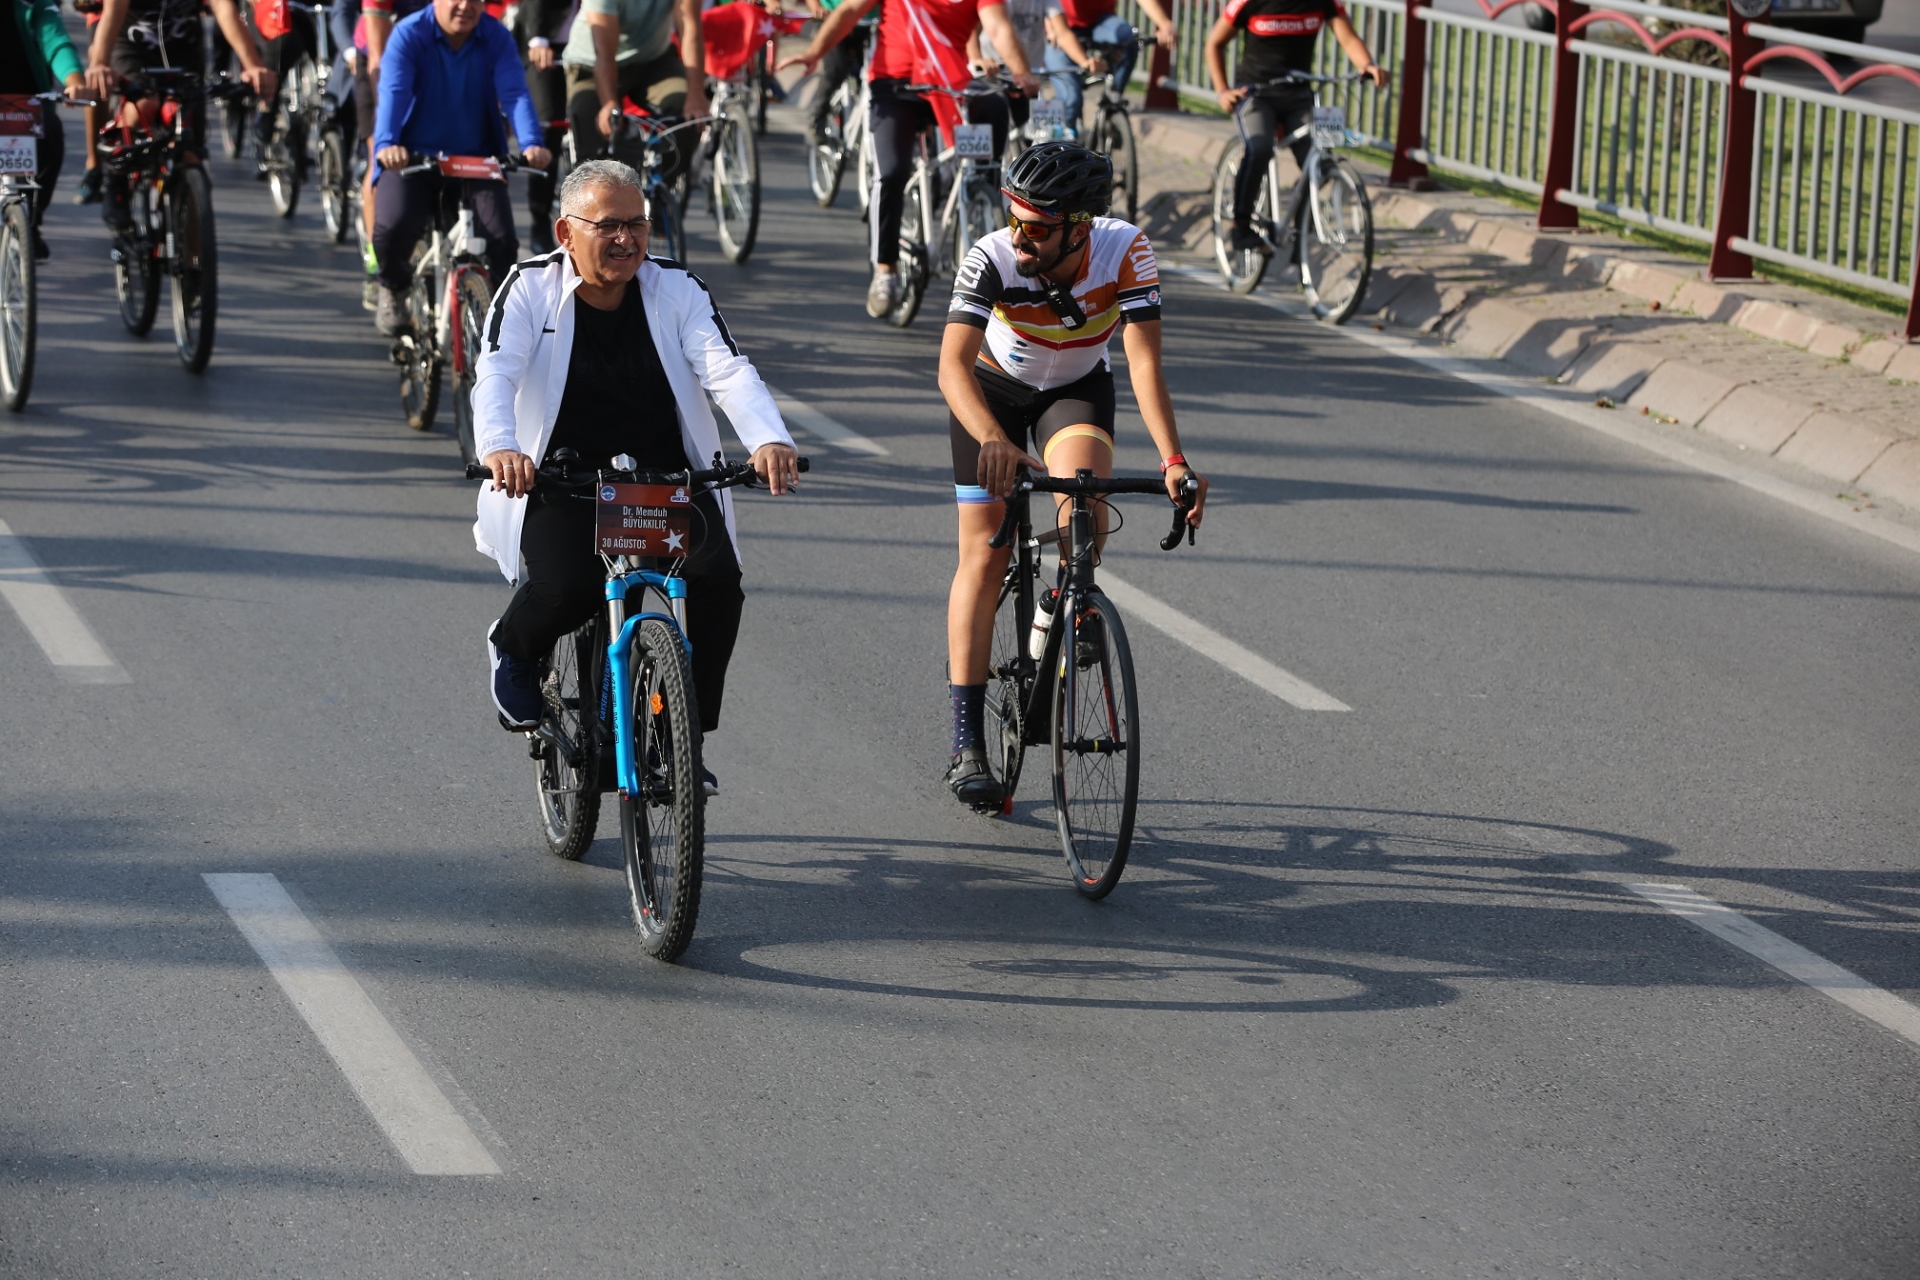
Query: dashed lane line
[(425, 1128), (1790, 958), (1204, 640), (829, 430), (56, 626)]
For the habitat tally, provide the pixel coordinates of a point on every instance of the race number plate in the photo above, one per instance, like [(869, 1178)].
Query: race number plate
[(20, 116), (644, 519), (973, 141), (19, 154), (1329, 126), (481, 167), (1050, 113)]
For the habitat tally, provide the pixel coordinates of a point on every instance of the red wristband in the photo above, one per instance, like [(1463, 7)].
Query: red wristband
[(1177, 460)]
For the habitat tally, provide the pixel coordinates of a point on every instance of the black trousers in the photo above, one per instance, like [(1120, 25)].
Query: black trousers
[(549, 90), (1261, 119), (53, 153), (403, 209), (841, 63), (565, 586), (896, 119)]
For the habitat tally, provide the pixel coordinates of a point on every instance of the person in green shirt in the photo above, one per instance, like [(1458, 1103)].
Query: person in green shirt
[(624, 48), (35, 57)]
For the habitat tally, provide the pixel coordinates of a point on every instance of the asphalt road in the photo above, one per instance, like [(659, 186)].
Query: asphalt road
[(1372, 1000)]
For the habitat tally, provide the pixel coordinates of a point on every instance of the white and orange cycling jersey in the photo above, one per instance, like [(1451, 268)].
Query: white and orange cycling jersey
[(1118, 283)]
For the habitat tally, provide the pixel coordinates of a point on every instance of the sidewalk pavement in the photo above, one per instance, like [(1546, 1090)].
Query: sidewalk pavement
[(1823, 386)]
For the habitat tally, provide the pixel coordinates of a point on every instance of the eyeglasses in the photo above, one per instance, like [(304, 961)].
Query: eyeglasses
[(614, 228), (1038, 232)]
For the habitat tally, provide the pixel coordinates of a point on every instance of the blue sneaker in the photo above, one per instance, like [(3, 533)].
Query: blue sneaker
[(708, 783), (516, 689)]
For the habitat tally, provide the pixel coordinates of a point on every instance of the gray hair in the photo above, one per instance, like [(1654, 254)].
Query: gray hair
[(592, 174)]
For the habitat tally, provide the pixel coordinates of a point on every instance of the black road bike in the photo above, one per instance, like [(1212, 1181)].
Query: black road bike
[(1066, 682)]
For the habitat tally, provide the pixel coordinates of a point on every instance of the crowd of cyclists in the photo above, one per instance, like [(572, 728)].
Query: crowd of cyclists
[(1035, 304)]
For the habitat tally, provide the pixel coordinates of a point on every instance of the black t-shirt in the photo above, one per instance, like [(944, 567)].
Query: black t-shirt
[(16, 64), (1280, 35), (618, 399)]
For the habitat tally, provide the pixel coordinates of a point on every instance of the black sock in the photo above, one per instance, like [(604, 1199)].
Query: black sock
[(969, 702)]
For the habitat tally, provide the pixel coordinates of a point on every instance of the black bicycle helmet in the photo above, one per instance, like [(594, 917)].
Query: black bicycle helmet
[(1062, 178)]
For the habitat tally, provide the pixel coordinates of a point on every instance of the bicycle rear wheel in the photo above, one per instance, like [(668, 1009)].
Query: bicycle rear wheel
[(19, 304), (1006, 691), (1242, 269), (235, 114), (735, 183), (194, 270), (1096, 763), (1113, 136), (335, 175), (471, 296), (1336, 241), (566, 762), (663, 829), (914, 265), (283, 161), (136, 263)]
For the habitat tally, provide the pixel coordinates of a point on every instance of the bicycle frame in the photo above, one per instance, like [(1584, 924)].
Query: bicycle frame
[(626, 576)]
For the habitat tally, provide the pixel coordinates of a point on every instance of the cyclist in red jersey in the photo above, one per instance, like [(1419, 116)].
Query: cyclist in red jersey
[(924, 42)]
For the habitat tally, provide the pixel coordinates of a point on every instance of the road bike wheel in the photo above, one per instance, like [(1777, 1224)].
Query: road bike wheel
[(1006, 691), (1096, 762), (1113, 136), (663, 829), (335, 175), (566, 762), (194, 270), (283, 169), (235, 115), (471, 296), (1336, 241), (136, 264), (19, 304), (1244, 269), (736, 186)]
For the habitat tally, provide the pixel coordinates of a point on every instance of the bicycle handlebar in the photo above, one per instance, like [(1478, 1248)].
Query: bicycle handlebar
[(561, 473), (1303, 77), (420, 162), (1189, 493)]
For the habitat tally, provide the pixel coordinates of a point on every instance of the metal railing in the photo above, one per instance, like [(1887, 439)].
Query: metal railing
[(1488, 93)]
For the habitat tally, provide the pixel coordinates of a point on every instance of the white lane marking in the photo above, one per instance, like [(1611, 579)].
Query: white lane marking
[(1790, 958), (430, 1135), (817, 424), (56, 626), (1204, 640), (1578, 408)]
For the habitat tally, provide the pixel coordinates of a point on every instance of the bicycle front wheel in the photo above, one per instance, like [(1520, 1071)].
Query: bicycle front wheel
[(471, 296), (1096, 763), (736, 186), (335, 174), (1114, 137), (136, 263), (1241, 268), (566, 762), (914, 265), (19, 304), (283, 167), (663, 829), (827, 162), (1006, 690), (1336, 241), (194, 269), (414, 352), (668, 228)]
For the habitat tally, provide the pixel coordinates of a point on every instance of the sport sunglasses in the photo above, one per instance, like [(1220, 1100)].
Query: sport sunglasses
[(1037, 232)]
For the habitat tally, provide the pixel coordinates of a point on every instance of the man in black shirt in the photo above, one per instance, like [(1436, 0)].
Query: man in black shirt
[(1280, 35), (636, 344)]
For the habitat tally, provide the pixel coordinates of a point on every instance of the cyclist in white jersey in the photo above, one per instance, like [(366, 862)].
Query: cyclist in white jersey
[(1024, 358)]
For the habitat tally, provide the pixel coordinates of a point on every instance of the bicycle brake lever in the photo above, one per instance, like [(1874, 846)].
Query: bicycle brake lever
[(1190, 492)]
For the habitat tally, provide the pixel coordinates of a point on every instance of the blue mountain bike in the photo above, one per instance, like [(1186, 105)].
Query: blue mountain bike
[(619, 711)]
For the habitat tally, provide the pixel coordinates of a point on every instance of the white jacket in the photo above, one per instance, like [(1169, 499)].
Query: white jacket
[(522, 376)]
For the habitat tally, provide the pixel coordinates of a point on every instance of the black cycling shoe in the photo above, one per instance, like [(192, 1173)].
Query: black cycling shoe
[(1246, 240), (972, 783)]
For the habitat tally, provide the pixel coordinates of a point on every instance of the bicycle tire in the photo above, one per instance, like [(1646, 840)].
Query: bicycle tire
[(569, 792), (1336, 242), (414, 352), (1242, 271), (136, 264), (1096, 762), (234, 117), (1005, 711), (669, 225), (734, 182), (663, 830), (762, 76), (283, 170), (914, 264), (472, 295), (1114, 137), (335, 174), (827, 162), (19, 304), (194, 271)]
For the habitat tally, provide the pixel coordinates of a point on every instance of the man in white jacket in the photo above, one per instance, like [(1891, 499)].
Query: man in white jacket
[(598, 348)]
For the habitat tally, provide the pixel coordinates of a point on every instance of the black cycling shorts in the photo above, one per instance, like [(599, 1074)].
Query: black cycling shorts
[(1026, 414)]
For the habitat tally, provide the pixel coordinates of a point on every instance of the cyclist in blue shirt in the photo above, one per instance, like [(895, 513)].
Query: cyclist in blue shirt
[(446, 76)]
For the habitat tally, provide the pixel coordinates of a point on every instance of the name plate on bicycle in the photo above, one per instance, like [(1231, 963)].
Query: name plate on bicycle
[(1329, 126), (644, 519), (481, 167), (19, 154), (973, 141), (20, 116)]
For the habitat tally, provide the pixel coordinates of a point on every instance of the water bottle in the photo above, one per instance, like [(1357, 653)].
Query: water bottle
[(1042, 623)]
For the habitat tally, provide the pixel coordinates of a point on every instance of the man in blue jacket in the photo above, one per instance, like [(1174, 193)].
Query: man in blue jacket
[(446, 76)]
